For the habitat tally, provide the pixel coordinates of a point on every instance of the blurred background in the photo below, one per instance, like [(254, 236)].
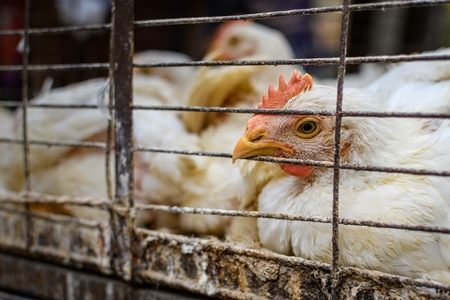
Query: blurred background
[(395, 31)]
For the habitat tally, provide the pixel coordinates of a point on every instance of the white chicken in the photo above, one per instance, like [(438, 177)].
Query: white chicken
[(81, 171), (377, 196), (178, 76), (229, 86), (236, 86)]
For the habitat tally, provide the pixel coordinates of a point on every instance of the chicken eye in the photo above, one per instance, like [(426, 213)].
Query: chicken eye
[(307, 128), (234, 41)]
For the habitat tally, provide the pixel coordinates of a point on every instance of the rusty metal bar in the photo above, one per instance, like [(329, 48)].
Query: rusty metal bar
[(255, 16), (26, 52), (244, 110), (305, 162), (103, 203), (274, 62), (314, 163), (57, 219), (122, 45), (54, 143), (47, 105), (26, 146), (58, 67), (56, 30), (294, 12), (34, 197), (110, 128), (300, 61), (294, 112), (337, 150), (288, 217)]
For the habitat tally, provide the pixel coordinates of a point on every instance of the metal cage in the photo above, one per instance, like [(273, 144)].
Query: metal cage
[(130, 260)]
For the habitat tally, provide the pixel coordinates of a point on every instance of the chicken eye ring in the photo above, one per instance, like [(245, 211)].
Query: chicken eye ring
[(307, 128)]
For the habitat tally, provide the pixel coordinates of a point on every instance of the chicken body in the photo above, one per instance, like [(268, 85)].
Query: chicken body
[(233, 87), (81, 171), (383, 197)]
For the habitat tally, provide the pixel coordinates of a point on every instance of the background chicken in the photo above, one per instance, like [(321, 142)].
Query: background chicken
[(236, 86), (178, 76), (384, 197), (217, 185), (81, 171)]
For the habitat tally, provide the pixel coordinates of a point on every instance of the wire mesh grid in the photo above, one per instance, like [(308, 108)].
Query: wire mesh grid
[(141, 255)]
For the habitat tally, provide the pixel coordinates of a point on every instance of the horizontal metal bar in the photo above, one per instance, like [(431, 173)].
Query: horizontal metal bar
[(293, 12), (303, 162), (183, 152), (57, 67), (56, 30), (288, 217), (46, 105), (242, 110), (39, 198), (395, 114), (232, 213), (417, 282), (395, 58), (255, 16), (56, 218), (355, 167), (273, 62), (56, 143), (410, 171), (227, 155), (233, 110), (294, 112), (300, 61)]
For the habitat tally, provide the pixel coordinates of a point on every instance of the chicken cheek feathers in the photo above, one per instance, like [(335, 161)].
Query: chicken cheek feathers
[(297, 170)]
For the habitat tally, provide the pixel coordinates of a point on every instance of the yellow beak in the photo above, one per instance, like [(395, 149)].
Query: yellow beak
[(249, 147)]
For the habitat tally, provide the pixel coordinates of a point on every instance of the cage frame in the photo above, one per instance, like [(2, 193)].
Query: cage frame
[(204, 266)]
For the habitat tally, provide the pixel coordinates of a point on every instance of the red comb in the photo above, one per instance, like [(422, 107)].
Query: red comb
[(276, 99)]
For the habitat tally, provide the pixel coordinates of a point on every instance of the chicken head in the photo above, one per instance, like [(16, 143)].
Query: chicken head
[(306, 137)]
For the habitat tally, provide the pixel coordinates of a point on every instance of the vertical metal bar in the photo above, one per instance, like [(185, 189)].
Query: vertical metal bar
[(26, 51), (110, 128), (122, 47), (26, 146), (337, 148)]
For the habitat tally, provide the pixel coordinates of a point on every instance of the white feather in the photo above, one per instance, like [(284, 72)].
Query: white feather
[(375, 196)]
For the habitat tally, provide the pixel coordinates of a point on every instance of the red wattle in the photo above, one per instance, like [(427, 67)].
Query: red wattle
[(297, 170)]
